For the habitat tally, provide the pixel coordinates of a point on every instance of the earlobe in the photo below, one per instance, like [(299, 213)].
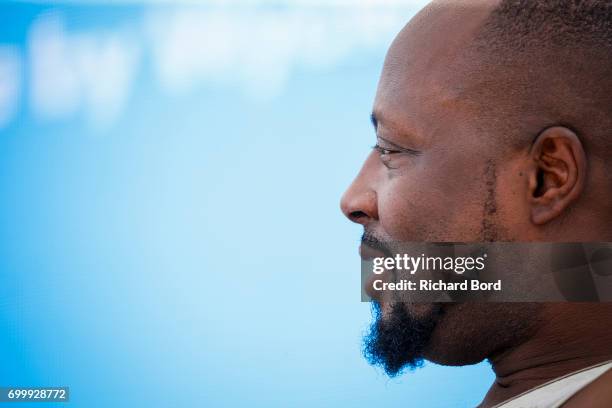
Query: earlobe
[(557, 175)]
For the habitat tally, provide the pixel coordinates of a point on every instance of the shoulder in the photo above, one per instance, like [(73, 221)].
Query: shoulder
[(597, 394)]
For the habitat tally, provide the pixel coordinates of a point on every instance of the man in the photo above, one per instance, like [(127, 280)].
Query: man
[(494, 123)]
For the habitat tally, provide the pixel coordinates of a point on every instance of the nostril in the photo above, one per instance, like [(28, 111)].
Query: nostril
[(357, 215)]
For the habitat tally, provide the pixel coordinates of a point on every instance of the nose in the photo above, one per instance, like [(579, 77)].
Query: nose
[(359, 202)]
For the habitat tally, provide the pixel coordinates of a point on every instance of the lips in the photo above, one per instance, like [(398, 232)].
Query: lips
[(367, 254)]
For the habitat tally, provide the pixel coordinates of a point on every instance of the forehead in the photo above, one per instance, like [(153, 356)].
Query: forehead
[(420, 82)]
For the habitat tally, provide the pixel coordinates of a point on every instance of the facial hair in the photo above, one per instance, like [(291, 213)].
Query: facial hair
[(397, 340)]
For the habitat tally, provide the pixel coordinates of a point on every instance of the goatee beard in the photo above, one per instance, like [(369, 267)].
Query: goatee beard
[(397, 340)]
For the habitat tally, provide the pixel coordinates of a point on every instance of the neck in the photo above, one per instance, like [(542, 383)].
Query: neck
[(574, 336)]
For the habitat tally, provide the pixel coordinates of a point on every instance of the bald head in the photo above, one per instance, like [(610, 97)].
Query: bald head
[(543, 62)]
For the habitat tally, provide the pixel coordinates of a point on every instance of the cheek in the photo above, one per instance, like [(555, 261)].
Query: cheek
[(425, 206), (410, 210)]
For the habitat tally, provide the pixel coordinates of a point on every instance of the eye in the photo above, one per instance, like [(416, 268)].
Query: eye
[(391, 157), (386, 155), (383, 151)]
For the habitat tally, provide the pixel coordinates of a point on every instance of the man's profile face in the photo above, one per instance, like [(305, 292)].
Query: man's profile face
[(431, 178)]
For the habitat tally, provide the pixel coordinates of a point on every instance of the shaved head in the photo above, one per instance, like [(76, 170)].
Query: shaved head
[(545, 63)]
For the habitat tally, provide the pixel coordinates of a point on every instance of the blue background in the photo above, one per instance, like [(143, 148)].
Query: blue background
[(181, 244)]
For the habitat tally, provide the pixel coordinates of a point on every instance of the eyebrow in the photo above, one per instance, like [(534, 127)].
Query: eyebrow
[(395, 146), (374, 119)]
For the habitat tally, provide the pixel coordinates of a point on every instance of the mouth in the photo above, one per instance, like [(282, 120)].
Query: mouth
[(371, 247), (368, 254)]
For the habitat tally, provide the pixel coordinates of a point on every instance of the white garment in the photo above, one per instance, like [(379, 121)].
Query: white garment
[(556, 392)]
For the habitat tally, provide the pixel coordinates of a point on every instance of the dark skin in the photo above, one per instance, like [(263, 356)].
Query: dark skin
[(429, 180)]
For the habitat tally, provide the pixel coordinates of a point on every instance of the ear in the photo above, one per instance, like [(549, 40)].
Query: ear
[(558, 173)]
